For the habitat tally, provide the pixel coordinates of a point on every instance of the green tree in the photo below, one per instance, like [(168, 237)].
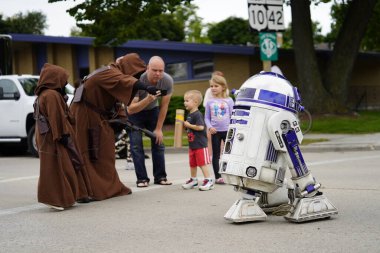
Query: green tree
[(4, 25), (161, 27), (30, 23), (317, 35), (324, 87), (232, 30), (371, 40), (76, 32), (186, 14), (113, 22)]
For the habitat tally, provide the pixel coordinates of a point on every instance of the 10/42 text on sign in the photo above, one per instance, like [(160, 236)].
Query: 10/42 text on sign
[(266, 15)]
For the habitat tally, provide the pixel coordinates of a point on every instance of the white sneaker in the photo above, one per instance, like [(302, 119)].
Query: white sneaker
[(130, 166), (56, 207), (190, 184), (207, 185)]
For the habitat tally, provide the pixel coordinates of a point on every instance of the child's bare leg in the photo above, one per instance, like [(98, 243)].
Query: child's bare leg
[(209, 144), (193, 172), (205, 170)]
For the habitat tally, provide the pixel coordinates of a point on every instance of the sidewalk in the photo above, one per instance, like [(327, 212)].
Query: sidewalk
[(342, 142), (336, 142)]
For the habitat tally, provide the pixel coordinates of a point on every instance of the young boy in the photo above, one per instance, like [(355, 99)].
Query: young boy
[(197, 136)]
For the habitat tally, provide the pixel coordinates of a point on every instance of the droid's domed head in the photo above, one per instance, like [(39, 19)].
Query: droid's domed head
[(269, 90)]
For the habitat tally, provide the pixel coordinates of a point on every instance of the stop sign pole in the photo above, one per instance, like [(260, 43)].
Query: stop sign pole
[(266, 17)]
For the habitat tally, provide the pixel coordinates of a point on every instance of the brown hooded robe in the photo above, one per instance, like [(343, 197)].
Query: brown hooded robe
[(59, 183), (102, 91)]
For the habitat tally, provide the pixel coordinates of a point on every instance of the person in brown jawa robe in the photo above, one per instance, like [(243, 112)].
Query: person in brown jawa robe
[(62, 178), (93, 106)]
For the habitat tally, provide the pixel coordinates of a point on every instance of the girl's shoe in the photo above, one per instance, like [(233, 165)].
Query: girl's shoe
[(219, 181)]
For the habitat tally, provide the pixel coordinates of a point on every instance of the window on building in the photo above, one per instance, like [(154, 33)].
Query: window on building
[(177, 70), (202, 69)]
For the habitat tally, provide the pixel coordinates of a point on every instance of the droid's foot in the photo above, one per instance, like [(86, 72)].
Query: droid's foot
[(313, 208), (244, 210)]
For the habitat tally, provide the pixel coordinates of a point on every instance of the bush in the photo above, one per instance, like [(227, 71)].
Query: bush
[(176, 102)]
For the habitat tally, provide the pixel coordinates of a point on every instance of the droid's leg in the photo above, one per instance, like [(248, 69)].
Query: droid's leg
[(309, 203), (246, 209), (255, 205), (277, 202)]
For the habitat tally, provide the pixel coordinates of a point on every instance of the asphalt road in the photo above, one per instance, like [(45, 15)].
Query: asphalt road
[(169, 219)]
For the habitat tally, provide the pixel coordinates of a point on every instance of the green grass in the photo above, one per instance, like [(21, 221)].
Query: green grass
[(168, 140), (360, 123)]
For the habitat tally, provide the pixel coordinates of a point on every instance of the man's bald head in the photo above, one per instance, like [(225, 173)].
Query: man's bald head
[(156, 60), (155, 69)]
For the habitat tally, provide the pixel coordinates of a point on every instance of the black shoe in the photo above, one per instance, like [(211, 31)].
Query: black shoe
[(84, 200), (147, 157)]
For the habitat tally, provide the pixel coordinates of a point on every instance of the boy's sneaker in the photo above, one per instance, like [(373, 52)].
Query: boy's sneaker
[(219, 181), (190, 184), (207, 185)]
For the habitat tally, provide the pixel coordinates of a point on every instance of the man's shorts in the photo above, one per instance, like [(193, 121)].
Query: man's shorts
[(199, 157)]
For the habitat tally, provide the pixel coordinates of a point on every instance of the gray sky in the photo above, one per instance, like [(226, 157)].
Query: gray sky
[(60, 22)]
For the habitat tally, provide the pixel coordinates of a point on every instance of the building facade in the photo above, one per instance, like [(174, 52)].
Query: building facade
[(190, 64)]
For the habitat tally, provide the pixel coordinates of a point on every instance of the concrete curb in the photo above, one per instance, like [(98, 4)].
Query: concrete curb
[(339, 148), (305, 148), (335, 143)]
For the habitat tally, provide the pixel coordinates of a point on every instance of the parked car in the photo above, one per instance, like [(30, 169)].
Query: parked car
[(16, 110)]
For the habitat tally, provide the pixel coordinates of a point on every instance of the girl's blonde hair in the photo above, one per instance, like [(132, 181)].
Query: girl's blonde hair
[(220, 80), (196, 95)]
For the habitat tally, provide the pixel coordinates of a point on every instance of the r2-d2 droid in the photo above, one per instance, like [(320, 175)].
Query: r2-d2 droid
[(262, 147)]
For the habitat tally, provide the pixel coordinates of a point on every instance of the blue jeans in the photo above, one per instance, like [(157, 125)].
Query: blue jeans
[(146, 119)]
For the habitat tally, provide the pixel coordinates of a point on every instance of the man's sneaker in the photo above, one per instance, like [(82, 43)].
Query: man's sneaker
[(207, 185), (190, 184), (219, 181)]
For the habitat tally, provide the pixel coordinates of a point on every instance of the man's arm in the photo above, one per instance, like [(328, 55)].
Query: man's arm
[(161, 118), (138, 105)]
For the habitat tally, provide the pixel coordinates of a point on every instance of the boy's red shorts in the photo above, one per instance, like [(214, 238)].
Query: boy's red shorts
[(199, 157)]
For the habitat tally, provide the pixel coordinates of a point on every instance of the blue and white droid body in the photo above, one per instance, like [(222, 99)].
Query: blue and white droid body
[(262, 148)]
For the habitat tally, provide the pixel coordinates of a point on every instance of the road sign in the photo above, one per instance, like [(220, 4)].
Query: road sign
[(266, 15), (268, 46)]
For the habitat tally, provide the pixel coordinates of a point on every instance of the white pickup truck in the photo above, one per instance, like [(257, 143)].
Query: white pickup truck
[(16, 111)]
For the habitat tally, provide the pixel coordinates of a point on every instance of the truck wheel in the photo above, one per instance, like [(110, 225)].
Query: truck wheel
[(32, 145)]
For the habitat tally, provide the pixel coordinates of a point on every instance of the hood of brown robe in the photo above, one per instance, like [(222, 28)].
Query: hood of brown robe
[(131, 64), (51, 77)]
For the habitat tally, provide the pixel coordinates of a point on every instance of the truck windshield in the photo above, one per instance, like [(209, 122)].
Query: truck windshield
[(29, 84)]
